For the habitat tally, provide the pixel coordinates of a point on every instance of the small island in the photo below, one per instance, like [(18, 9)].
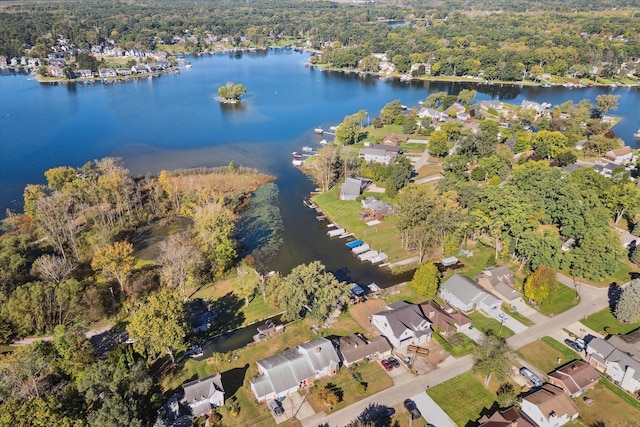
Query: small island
[(231, 93)]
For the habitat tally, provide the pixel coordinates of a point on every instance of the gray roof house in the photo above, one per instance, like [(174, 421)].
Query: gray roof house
[(465, 294), (618, 357), (295, 368), (499, 281), (351, 188), (355, 347), (376, 153), (403, 324), (204, 394)]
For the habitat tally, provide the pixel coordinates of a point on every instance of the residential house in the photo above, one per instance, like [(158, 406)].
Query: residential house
[(620, 156), (295, 368), (107, 72), (379, 154), (549, 406), (201, 315), (415, 68), (510, 417), (500, 282), (124, 71), (618, 357), (568, 244), (375, 206), (403, 324), (84, 73), (465, 294), (203, 395), (355, 347), (55, 71), (605, 169), (139, 68), (628, 240), (493, 104), (457, 108), (352, 187), (575, 378), (433, 114), (442, 321), (393, 139), (534, 106)]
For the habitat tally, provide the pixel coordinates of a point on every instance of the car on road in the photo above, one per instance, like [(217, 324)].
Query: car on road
[(501, 317), (276, 408), (394, 362), (386, 365), (412, 408)]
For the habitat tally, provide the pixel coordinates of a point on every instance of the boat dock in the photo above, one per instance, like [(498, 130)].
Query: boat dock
[(367, 255), (361, 249), (355, 244), (336, 232)]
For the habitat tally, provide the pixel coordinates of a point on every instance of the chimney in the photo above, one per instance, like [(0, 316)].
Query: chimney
[(514, 423), (574, 367), (318, 349)]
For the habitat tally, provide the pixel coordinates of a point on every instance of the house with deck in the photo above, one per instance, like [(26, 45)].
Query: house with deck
[(203, 395), (403, 324), (575, 378), (295, 368), (620, 156)]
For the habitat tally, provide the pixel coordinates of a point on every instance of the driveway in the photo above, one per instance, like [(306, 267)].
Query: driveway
[(510, 323), (431, 411), (296, 406)]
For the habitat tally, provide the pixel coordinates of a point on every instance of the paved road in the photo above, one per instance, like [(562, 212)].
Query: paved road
[(592, 299)]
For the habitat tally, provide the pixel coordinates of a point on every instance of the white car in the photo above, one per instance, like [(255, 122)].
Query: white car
[(502, 318), (195, 351)]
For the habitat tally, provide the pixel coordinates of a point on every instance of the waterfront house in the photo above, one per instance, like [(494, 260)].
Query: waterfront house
[(84, 73), (549, 406), (201, 315), (376, 207), (355, 347), (618, 357), (379, 154), (352, 187), (295, 368), (202, 395), (575, 378), (493, 104), (139, 68), (500, 282), (403, 324), (55, 71), (124, 71), (442, 321), (534, 106), (107, 72), (393, 140), (620, 156), (465, 294)]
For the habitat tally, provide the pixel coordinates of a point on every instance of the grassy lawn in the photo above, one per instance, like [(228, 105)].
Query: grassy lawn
[(463, 398), (605, 323), (485, 324), (544, 354), (516, 315), (611, 405), (562, 300), (428, 170), (382, 237), (457, 345), (372, 374), (482, 255)]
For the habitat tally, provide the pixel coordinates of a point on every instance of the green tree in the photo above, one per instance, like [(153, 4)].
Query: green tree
[(426, 280), (466, 96), (214, 225), (634, 257), (597, 254), (549, 144), (540, 285), (438, 144), (231, 91), (401, 173), (58, 177), (115, 262), (327, 396), (606, 102), (350, 130), (308, 288), (623, 198), (628, 307), (390, 111), (506, 395), (493, 357), (160, 325)]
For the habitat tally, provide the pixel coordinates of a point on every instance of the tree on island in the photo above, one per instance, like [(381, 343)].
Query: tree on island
[(231, 92)]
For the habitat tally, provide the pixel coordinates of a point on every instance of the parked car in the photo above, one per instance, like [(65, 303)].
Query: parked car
[(412, 408), (501, 317), (386, 365), (574, 345), (194, 351), (276, 408), (394, 362), (581, 343), (528, 374)]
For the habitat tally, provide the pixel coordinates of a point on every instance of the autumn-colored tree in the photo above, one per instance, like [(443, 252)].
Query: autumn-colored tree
[(178, 260), (426, 280), (328, 396), (115, 262), (541, 284)]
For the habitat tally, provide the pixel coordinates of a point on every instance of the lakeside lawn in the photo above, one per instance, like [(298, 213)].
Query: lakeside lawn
[(561, 300), (605, 323), (544, 354), (487, 325), (382, 237), (481, 259), (463, 398)]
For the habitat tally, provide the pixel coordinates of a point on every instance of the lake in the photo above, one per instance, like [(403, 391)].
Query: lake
[(173, 121)]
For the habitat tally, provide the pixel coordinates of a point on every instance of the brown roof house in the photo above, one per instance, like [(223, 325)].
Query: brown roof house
[(510, 417), (620, 155), (393, 139), (549, 406), (355, 347), (575, 378), (444, 322), (500, 282)]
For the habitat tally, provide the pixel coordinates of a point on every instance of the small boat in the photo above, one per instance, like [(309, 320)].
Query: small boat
[(361, 249), (297, 162), (318, 131), (637, 134), (297, 155), (355, 244), (323, 142), (589, 84), (336, 232), (187, 64), (308, 203), (333, 128), (307, 149)]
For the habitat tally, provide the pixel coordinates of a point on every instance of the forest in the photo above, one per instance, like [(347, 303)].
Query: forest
[(495, 40)]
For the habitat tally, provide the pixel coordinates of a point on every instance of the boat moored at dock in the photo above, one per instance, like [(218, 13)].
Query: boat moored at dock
[(355, 244)]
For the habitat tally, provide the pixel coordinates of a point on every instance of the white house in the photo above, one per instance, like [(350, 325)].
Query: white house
[(204, 394), (620, 156), (465, 294), (618, 357), (295, 368), (403, 324), (376, 153), (549, 406)]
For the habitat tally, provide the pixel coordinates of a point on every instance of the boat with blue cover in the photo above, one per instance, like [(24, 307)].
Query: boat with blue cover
[(354, 244)]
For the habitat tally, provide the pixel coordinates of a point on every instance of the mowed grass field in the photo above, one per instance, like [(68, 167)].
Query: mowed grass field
[(463, 398), (544, 354)]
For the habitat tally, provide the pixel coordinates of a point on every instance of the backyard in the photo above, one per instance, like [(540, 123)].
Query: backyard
[(463, 398), (545, 353), (487, 325), (605, 323), (612, 407)]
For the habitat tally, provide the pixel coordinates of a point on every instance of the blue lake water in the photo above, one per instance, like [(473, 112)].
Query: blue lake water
[(173, 121)]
